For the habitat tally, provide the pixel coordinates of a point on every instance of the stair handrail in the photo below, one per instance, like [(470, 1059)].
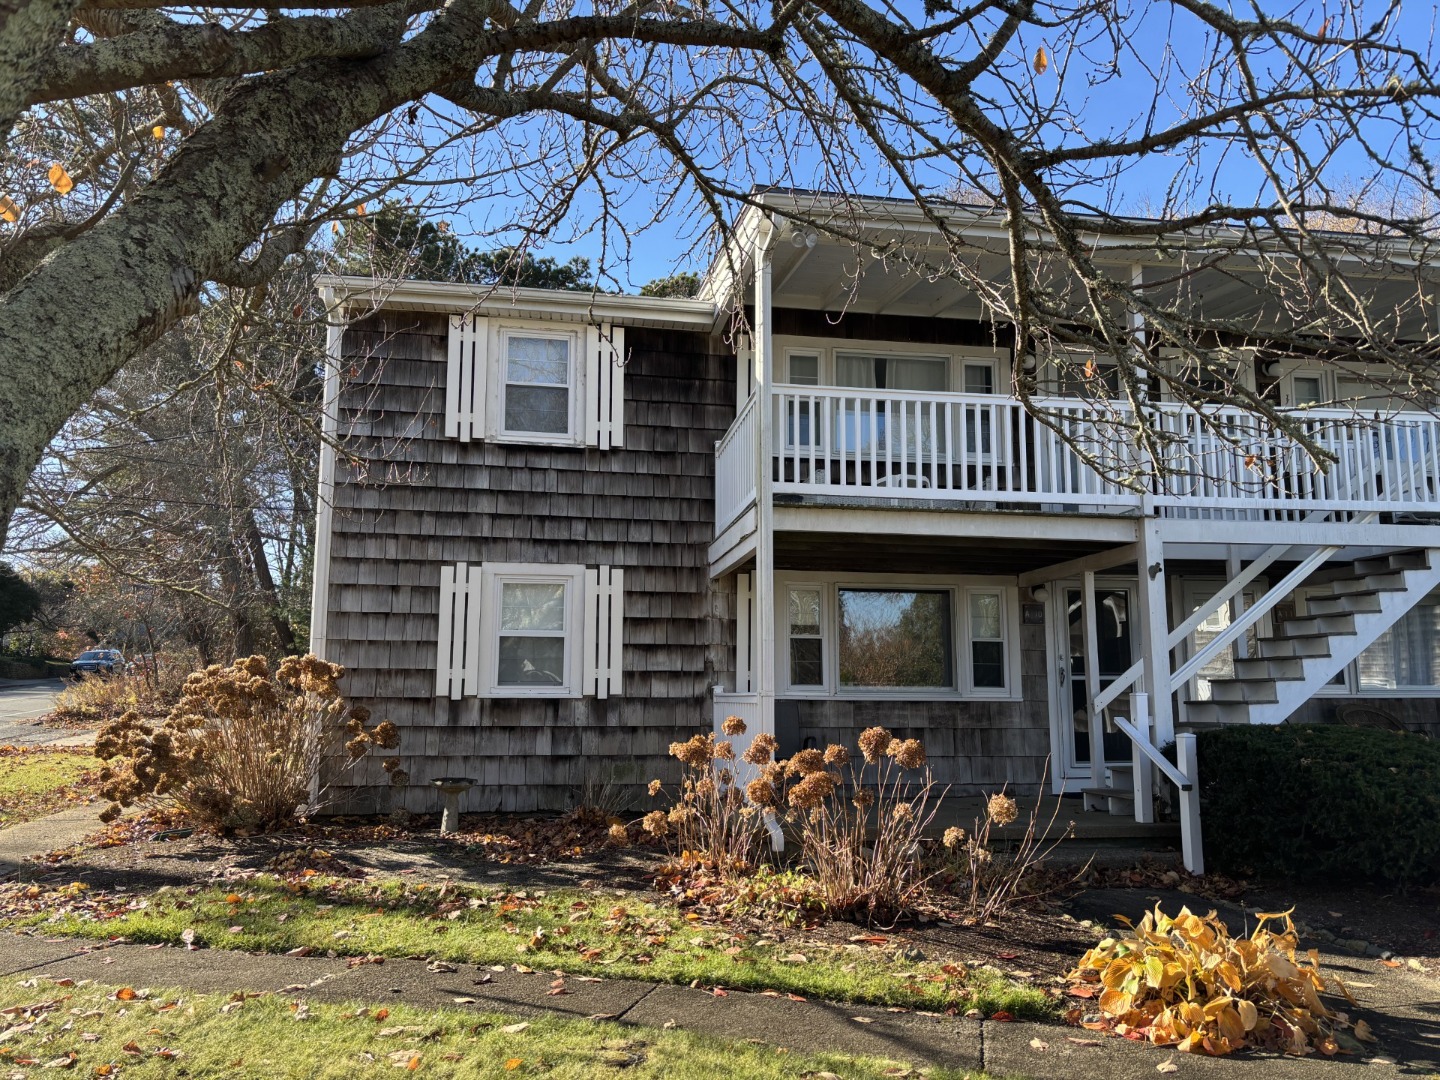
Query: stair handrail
[(1253, 614), (1159, 760)]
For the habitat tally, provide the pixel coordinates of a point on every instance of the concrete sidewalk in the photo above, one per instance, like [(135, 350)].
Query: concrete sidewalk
[(1405, 1016)]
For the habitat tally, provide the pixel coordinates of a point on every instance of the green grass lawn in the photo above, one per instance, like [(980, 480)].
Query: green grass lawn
[(563, 930), (34, 783), (97, 1031)]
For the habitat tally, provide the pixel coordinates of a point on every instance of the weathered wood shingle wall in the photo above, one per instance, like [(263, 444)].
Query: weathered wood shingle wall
[(417, 501)]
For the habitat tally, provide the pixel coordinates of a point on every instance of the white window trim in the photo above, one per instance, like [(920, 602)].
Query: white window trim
[(954, 355), (495, 575), (959, 588), (500, 332), (1173, 361)]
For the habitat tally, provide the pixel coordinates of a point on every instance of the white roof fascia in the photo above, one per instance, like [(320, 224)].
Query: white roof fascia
[(548, 304)]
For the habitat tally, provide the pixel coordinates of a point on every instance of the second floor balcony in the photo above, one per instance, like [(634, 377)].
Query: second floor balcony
[(987, 452)]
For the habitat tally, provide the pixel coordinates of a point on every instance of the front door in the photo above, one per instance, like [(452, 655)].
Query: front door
[(1116, 636)]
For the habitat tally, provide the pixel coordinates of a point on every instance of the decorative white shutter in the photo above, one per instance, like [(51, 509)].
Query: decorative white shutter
[(457, 665), (744, 634), (603, 637), (467, 363), (605, 386)]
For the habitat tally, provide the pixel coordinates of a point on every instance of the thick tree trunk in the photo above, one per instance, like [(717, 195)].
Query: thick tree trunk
[(75, 319), (29, 32)]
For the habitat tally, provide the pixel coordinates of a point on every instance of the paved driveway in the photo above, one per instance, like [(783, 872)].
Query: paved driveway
[(20, 704)]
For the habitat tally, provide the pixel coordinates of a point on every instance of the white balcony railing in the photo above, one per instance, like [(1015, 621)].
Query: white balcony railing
[(986, 450), (735, 472)]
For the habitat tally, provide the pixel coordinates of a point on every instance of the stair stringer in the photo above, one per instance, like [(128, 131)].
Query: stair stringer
[(1344, 648)]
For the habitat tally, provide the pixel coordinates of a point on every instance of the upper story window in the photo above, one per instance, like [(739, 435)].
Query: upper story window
[(919, 373), (535, 382), (539, 383)]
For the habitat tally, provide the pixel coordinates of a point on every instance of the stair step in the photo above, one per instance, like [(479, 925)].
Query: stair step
[(1370, 583), (1367, 602), (1119, 802), (1309, 625), (1279, 668), (1217, 713), (1416, 559), (1293, 646), (1244, 691)]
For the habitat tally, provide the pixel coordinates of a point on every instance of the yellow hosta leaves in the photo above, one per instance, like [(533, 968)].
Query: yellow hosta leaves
[(1041, 61), (60, 179), (8, 210), (1185, 982)]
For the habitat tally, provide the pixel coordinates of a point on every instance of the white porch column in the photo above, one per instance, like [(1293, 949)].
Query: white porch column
[(1089, 636), (1237, 603), (1155, 628), (763, 359)]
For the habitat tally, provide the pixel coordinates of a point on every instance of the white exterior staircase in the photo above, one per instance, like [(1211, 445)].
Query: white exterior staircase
[(1347, 616)]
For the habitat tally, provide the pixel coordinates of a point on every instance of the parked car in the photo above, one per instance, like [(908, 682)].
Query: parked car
[(98, 662)]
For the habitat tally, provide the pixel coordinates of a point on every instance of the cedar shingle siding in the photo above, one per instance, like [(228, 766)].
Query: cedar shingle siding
[(424, 501)]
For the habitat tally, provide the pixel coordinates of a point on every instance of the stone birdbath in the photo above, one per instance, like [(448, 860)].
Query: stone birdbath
[(451, 788)]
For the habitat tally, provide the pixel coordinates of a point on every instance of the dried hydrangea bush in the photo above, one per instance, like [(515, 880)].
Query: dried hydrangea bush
[(710, 820), (244, 747), (862, 821)]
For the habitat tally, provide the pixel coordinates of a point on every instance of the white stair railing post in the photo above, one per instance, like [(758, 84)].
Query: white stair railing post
[(1191, 845), (1143, 774)]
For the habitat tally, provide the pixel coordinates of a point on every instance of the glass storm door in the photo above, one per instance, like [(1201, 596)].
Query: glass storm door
[(1115, 634)]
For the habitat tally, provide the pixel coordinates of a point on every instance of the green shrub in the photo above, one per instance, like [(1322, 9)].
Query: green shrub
[(1316, 801)]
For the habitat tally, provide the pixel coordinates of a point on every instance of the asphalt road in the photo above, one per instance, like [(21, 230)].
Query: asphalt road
[(20, 704)]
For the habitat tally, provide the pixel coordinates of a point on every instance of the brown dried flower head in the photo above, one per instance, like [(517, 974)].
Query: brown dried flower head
[(619, 834), (733, 725), (705, 788), (812, 791), (837, 755), (762, 793), (864, 799), (873, 743), (761, 749), (655, 823), (695, 751), (724, 750), (908, 753), (954, 837), (1001, 809), (654, 789), (903, 812), (805, 763)]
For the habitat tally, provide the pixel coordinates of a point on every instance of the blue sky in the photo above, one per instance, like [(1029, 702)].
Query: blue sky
[(1159, 46)]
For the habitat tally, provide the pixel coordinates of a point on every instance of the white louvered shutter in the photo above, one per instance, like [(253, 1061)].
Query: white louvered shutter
[(603, 637), (467, 364), (457, 664), (605, 386)]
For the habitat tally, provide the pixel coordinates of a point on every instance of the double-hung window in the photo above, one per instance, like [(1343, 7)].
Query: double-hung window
[(539, 384), (920, 638), (530, 630), (530, 381)]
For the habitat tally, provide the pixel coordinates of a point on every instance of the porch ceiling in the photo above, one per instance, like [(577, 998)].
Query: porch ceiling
[(881, 553)]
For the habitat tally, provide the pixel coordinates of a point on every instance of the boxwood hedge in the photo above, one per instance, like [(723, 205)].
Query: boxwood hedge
[(1310, 801)]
